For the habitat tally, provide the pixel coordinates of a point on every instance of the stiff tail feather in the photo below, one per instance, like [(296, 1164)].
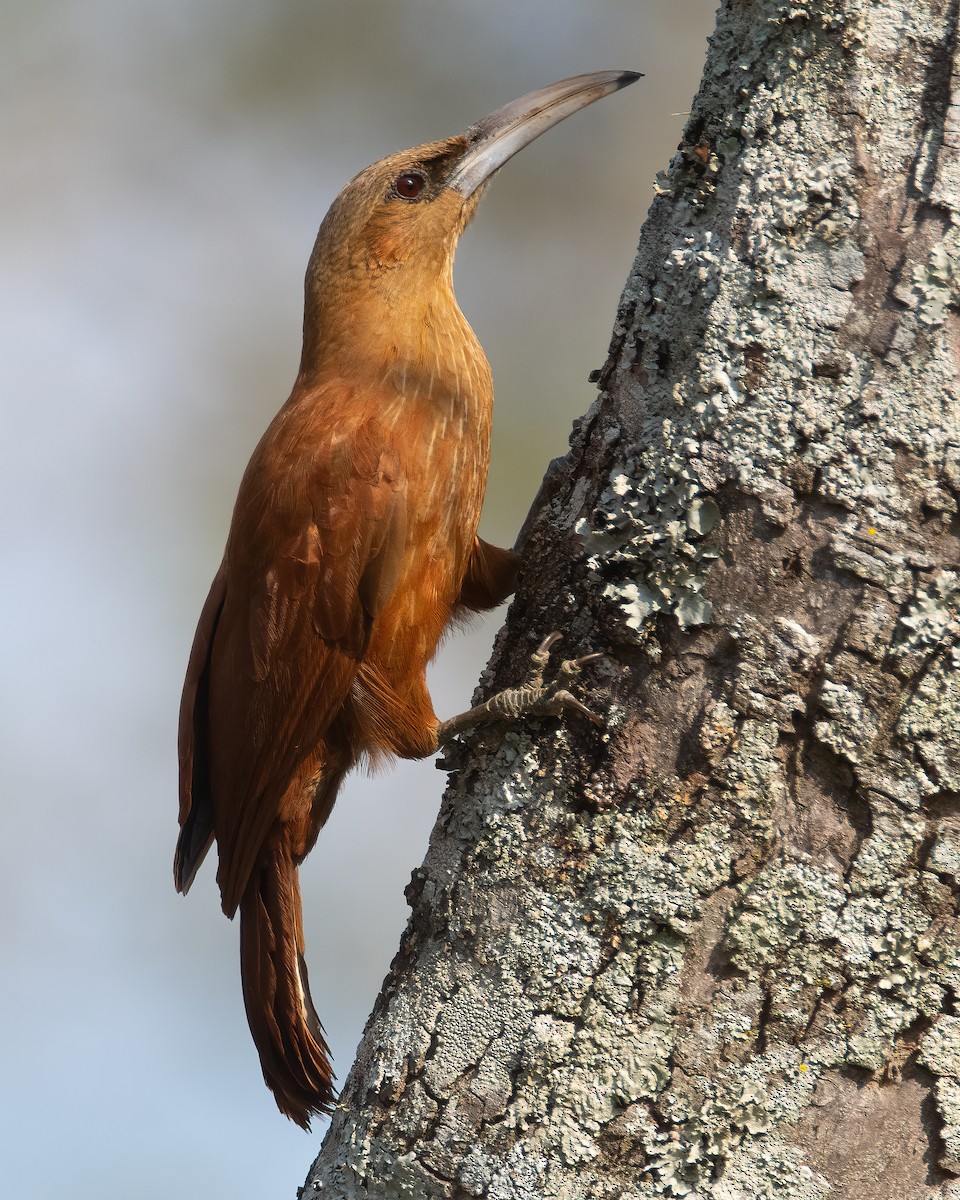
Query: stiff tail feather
[(285, 1027)]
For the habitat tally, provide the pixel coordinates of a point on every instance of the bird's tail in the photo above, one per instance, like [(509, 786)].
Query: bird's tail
[(285, 1027)]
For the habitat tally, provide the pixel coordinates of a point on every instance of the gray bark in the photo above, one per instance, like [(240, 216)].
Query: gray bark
[(712, 951)]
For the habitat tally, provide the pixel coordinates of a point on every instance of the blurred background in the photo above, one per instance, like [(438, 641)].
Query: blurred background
[(165, 168)]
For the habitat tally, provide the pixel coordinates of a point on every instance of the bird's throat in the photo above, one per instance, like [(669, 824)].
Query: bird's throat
[(390, 332)]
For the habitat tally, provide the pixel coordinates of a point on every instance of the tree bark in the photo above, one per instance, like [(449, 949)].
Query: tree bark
[(713, 950)]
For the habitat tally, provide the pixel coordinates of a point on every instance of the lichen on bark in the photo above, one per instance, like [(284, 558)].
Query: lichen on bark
[(713, 951)]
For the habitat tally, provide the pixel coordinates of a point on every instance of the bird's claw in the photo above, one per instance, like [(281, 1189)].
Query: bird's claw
[(557, 698), (533, 698), (537, 698), (557, 703), (539, 660)]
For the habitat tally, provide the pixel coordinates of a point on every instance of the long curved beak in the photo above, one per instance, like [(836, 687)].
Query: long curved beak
[(498, 137)]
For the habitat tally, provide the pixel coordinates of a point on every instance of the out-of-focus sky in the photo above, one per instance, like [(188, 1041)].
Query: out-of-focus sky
[(165, 168)]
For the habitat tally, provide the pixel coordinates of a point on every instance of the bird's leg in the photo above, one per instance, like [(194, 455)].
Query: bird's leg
[(533, 698)]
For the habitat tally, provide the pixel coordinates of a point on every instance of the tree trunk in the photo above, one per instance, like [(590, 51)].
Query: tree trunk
[(712, 950)]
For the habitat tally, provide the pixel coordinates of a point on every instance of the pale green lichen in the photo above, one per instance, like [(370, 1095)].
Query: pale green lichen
[(937, 285), (646, 534), (932, 616), (930, 719), (894, 840), (944, 856), (690, 1154), (784, 916), (941, 1053), (850, 725), (749, 778), (770, 1169)]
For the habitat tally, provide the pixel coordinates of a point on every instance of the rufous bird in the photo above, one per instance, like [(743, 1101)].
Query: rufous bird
[(353, 544)]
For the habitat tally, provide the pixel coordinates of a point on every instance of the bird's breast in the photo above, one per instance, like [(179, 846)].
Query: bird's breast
[(445, 454), (441, 441)]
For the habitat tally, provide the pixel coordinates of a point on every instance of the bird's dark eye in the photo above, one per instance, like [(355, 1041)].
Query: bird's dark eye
[(409, 185)]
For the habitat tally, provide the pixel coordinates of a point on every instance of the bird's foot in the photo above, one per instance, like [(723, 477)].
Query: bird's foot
[(533, 698)]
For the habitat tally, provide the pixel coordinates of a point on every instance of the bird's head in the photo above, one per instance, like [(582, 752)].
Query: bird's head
[(393, 230)]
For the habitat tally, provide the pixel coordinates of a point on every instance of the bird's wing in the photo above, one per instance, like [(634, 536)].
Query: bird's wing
[(196, 810), (315, 550)]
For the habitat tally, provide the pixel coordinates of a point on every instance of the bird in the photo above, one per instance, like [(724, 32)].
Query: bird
[(353, 545)]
